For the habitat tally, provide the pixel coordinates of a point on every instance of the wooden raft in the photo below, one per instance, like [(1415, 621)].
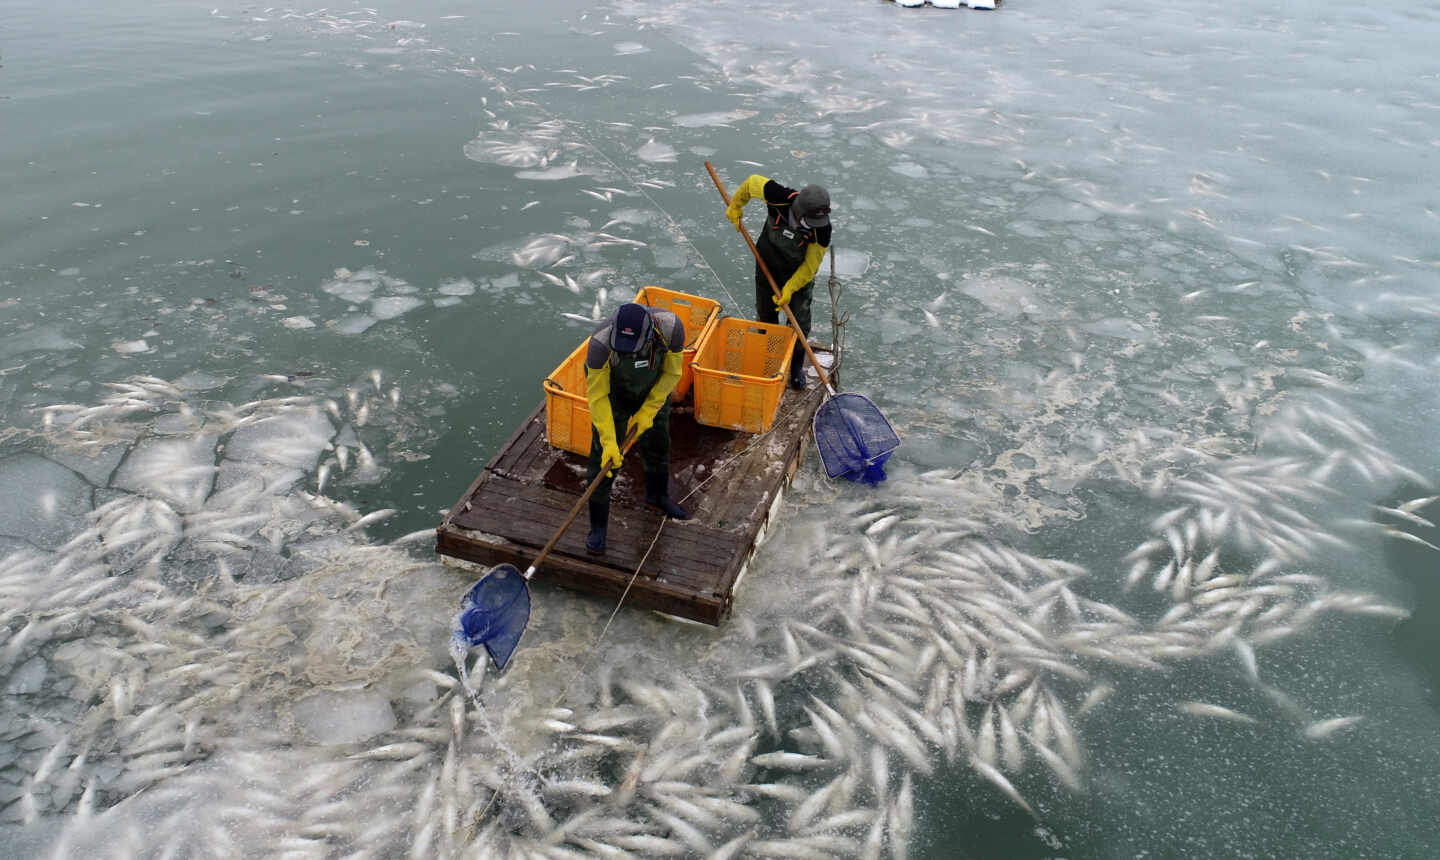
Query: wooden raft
[(694, 568)]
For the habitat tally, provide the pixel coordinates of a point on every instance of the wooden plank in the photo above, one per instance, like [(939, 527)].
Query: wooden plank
[(503, 461), (529, 443), (535, 447), (687, 554), (528, 515), (578, 575)]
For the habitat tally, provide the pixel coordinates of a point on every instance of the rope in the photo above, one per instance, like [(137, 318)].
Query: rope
[(616, 611), (738, 454)]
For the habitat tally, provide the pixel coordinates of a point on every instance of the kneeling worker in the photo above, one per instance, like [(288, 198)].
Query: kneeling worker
[(632, 363)]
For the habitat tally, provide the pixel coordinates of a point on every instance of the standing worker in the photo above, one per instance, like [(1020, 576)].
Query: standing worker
[(632, 363), (796, 234)]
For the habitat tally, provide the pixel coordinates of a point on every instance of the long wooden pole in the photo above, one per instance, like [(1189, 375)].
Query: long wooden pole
[(804, 340), (575, 511)]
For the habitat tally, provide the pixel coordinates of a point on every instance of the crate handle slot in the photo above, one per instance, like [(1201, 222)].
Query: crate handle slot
[(552, 384)]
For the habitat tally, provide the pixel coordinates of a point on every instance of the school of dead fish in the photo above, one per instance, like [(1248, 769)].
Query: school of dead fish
[(922, 643)]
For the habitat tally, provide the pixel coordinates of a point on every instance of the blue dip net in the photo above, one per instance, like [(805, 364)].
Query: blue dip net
[(854, 439), (494, 613)]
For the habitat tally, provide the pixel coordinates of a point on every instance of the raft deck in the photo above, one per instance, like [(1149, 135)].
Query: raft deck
[(730, 482)]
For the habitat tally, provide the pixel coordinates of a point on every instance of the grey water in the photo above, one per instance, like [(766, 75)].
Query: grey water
[(1100, 264)]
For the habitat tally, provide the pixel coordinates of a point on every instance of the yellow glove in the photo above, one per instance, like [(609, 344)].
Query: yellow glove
[(610, 455), (783, 299), (639, 423), (733, 213)]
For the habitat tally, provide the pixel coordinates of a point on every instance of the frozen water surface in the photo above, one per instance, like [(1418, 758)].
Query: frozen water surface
[(390, 307), (457, 287), (1155, 322), (851, 263), (713, 118), (47, 338), (353, 289), (656, 152), (552, 174), (29, 678), (47, 503), (1119, 328)]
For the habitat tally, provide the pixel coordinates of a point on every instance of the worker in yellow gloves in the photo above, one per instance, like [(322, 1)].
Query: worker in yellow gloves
[(796, 235), (632, 363)]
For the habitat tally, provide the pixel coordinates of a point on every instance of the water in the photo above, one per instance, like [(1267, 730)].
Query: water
[(268, 270)]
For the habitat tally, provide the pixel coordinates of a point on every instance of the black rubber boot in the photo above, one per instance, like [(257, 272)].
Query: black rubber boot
[(657, 495), (599, 521), (797, 375)]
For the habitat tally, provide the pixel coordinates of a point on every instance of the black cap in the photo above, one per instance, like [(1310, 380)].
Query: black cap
[(813, 204), (631, 329)]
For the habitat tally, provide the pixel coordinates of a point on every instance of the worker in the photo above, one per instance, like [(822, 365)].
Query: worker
[(796, 234), (632, 363)]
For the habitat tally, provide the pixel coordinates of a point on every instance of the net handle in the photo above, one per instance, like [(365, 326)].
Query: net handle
[(579, 503), (804, 341)]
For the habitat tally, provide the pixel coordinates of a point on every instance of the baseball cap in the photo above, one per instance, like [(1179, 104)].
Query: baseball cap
[(631, 330), (813, 204)]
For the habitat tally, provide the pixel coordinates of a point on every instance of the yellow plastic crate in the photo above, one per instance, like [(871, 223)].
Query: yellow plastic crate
[(567, 411), (740, 372), (696, 312)]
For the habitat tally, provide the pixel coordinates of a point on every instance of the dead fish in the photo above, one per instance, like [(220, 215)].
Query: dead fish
[(652, 846), (879, 526), (1322, 729), (371, 518), (1247, 658), (1404, 535), (1000, 782), (1012, 755), (874, 839), (401, 751), (1205, 709), (1416, 504), (813, 805), (985, 749), (732, 848), (767, 705), (1058, 766), (577, 788), (781, 791), (790, 761)]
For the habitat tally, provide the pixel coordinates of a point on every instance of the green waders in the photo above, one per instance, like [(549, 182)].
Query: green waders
[(783, 250), (631, 378)]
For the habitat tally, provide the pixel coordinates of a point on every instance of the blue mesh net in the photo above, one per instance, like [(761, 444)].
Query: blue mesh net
[(854, 439), (494, 613)]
